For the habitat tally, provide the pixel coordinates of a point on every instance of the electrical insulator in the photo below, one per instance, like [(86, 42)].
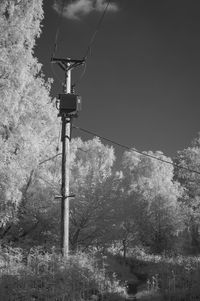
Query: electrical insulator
[(73, 89)]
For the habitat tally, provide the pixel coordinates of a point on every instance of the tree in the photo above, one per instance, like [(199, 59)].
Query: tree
[(153, 195), (126, 232), (38, 215), (91, 212), (27, 115), (190, 201), (92, 209)]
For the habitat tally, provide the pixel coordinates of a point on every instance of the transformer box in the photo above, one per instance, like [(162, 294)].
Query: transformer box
[(70, 104)]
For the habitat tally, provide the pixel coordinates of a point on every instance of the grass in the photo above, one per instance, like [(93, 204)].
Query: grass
[(167, 278), (43, 276), (47, 276)]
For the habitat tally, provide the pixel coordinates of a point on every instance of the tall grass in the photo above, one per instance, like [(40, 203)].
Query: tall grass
[(173, 278), (180, 278), (48, 276)]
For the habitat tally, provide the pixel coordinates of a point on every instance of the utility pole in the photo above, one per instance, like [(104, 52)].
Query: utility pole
[(69, 106), (65, 138)]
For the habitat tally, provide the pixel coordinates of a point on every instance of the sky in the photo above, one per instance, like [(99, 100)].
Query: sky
[(141, 86)]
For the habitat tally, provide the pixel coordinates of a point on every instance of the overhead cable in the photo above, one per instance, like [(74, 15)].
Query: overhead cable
[(58, 29), (91, 42), (92, 39), (134, 150), (55, 47)]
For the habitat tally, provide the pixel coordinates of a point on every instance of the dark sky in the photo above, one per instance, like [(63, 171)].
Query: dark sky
[(142, 82)]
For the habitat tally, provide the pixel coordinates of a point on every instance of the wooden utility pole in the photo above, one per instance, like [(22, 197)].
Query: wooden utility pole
[(68, 108), (65, 138)]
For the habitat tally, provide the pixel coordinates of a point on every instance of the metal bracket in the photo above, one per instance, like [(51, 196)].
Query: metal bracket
[(69, 138), (66, 197), (71, 196)]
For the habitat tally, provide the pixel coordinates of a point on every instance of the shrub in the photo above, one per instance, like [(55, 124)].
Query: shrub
[(48, 276)]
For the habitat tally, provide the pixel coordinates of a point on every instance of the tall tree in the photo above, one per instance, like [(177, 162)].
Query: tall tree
[(27, 116), (190, 158), (91, 210), (92, 182), (153, 195)]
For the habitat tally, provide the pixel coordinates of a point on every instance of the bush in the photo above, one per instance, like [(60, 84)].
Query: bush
[(48, 276), (181, 277)]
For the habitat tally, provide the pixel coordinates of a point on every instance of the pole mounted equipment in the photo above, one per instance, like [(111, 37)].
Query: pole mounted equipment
[(67, 64), (69, 102), (69, 105)]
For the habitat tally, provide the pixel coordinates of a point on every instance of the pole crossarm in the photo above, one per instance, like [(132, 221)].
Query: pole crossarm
[(67, 64)]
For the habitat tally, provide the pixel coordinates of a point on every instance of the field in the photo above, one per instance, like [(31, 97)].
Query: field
[(166, 278), (47, 276)]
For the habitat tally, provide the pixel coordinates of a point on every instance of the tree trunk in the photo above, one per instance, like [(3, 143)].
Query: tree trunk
[(124, 248)]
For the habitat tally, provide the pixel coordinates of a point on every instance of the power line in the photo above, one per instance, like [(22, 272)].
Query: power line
[(55, 74), (57, 151), (92, 39), (50, 158), (134, 150), (55, 47), (88, 52), (91, 42), (58, 29), (82, 74)]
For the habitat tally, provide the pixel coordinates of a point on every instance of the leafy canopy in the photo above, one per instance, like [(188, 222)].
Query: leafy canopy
[(27, 116)]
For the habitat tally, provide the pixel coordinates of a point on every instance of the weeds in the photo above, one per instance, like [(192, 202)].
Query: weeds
[(169, 278), (47, 276)]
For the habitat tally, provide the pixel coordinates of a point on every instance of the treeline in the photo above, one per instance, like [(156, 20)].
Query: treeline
[(143, 202)]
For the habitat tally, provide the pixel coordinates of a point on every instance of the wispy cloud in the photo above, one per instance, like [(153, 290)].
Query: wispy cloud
[(79, 8)]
